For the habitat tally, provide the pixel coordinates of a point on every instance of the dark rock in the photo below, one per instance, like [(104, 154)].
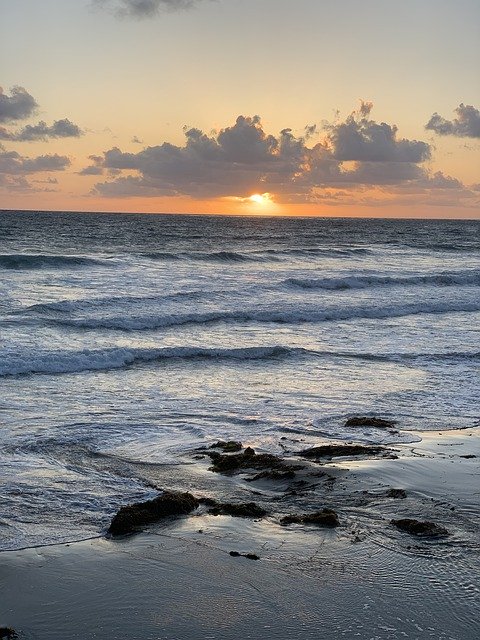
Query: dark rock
[(230, 446), (366, 421), (396, 493), (418, 528), (323, 518), (337, 450), (272, 475), (8, 633), (134, 516), (250, 556), (468, 455), (240, 510), (227, 464)]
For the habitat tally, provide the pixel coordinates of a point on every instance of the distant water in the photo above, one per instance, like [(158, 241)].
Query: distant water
[(138, 337)]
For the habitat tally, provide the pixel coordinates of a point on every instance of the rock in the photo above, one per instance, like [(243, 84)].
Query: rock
[(323, 518), (240, 510), (468, 455), (250, 556), (230, 463), (366, 421), (230, 446), (418, 528), (8, 633), (134, 516), (338, 450), (272, 475), (396, 493)]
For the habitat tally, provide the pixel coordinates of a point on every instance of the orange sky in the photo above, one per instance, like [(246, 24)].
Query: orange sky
[(130, 107)]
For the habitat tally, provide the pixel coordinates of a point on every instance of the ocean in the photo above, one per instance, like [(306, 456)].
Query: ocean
[(127, 341)]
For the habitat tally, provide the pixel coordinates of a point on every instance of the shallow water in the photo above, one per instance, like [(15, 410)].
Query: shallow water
[(135, 338)]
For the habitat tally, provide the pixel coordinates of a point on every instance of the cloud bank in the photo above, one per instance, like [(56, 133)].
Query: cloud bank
[(145, 8), (41, 131), (242, 159), (465, 125), (19, 105)]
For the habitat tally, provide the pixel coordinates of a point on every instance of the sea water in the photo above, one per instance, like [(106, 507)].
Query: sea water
[(137, 338)]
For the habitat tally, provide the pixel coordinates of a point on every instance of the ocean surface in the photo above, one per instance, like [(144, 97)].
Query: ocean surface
[(135, 338)]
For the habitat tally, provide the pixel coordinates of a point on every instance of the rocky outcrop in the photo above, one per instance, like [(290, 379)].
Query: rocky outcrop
[(133, 517), (366, 421), (419, 528), (239, 510), (323, 518), (339, 450), (228, 464)]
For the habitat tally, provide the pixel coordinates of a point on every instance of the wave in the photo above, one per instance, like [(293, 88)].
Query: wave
[(214, 256), (119, 357), (256, 256), (45, 261), (286, 316), (79, 304), (446, 279)]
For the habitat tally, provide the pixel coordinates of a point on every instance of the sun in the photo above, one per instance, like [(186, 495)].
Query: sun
[(260, 198)]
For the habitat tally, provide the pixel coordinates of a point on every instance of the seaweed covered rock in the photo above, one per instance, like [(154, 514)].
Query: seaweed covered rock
[(230, 463), (272, 475), (249, 556), (419, 528), (7, 633), (338, 450), (323, 518), (397, 493), (366, 421), (229, 446), (239, 510), (133, 517)]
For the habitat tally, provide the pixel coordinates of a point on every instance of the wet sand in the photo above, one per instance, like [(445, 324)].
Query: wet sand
[(364, 579)]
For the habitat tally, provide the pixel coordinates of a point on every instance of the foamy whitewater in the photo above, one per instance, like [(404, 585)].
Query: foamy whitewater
[(136, 338)]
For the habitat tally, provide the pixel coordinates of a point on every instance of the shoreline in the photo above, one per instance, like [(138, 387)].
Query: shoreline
[(364, 579)]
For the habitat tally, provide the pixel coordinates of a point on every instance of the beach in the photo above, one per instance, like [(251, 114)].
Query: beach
[(311, 384), (177, 580)]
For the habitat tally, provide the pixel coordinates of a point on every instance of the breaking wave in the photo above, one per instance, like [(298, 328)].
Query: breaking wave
[(445, 279), (45, 261), (120, 357), (285, 316)]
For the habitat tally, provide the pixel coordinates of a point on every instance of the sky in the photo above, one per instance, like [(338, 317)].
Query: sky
[(265, 107)]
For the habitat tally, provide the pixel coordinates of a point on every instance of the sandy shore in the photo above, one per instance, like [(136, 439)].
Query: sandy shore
[(363, 580)]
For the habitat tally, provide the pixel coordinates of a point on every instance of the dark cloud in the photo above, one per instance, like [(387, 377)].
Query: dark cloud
[(362, 139), (41, 131), (95, 169), (18, 106), (356, 154), (13, 164), (145, 8), (465, 125)]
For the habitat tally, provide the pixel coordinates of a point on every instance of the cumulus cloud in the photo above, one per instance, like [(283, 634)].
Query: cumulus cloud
[(362, 139), (145, 8), (465, 125), (356, 154), (41, 131), (19, 105), (14, 164)]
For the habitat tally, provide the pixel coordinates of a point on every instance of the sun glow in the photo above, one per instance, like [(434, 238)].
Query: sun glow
[(260, 198)]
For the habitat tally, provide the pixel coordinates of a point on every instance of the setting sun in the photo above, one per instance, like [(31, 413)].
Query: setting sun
[(258, 198)]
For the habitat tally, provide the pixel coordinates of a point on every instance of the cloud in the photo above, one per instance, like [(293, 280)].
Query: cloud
[(465, 125), (13, 164), (362, 139), (18, 106), (355, 155), (41, 131), (145, 8)]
